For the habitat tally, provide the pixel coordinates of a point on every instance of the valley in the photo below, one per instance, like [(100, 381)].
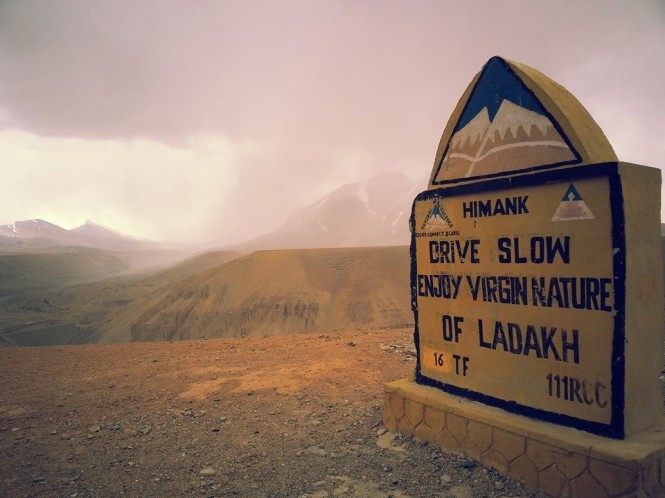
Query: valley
[(340, 263), (56, 313), (220, 294)]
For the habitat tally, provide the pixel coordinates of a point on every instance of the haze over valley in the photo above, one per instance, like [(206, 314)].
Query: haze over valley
[(340, 263)]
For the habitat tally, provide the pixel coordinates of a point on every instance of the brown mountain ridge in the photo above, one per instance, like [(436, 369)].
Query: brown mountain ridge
[(221, 294), (282, 292)]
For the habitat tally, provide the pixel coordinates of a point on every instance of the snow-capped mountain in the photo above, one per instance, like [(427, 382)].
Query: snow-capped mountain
[(374, 212), (516, 138), (92, 229), (37, 233), (370, 213), (33, 228)]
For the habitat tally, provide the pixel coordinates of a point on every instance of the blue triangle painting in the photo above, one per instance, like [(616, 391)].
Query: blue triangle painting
[(495, 85), (572, 207), (503, 127)]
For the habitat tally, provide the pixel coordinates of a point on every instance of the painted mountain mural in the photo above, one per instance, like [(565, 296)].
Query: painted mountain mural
[(502, 127), (517, 138)]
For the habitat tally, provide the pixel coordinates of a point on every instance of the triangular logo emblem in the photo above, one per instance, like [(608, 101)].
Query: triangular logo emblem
[(572, 207), (503, 127), (436, 218)]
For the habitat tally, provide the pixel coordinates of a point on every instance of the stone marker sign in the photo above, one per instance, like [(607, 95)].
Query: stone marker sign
[(536, 285), (519, 256)]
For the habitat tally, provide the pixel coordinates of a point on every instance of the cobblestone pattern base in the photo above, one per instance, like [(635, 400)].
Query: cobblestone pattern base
[(558, 461)]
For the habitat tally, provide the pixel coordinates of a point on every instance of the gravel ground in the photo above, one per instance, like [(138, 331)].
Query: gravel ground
[(289, 416)]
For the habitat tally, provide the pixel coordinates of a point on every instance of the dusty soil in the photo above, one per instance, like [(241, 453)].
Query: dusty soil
[(287, 416)]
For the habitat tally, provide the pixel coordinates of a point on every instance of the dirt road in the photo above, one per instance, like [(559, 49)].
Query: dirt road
[(286, 416)]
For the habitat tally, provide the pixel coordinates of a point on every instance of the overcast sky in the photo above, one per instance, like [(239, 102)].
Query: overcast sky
[(213, 120)]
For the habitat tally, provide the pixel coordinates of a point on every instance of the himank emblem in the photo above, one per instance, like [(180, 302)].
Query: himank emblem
[(572, 207), (436, 218)]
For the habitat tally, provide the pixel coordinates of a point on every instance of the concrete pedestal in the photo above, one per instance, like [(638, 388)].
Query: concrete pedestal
[(559, 461)]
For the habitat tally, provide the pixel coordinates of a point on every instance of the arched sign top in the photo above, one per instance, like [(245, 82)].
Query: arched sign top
[(514, 119)]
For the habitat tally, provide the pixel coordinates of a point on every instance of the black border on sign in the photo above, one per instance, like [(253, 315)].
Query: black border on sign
[(615, 429), (528, 169)]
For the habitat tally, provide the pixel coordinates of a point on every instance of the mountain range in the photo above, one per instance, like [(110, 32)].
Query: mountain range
[(371, 213), (39, 234), (92, 284), (220, 294), (280, 292), (374, 212)]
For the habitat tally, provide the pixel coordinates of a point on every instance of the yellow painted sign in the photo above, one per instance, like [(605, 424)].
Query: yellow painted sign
[(535, 261), (517, 293)]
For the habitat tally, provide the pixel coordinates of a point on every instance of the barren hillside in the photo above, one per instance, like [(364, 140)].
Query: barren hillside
[(60, 266), (43, 270), (55, 313), (281, 292), (222, 295)]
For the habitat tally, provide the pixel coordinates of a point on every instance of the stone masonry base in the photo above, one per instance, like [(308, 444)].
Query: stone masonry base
[(558, 461)]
